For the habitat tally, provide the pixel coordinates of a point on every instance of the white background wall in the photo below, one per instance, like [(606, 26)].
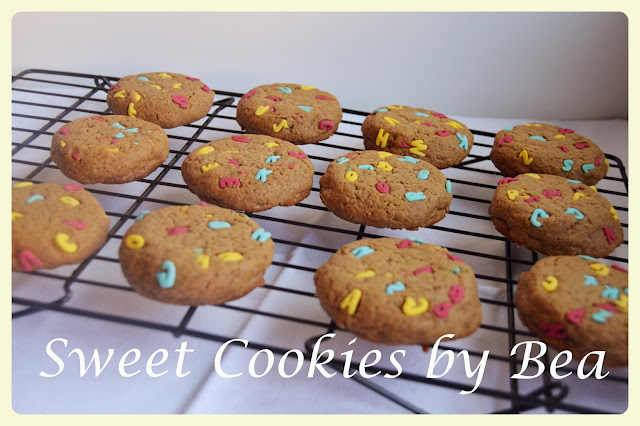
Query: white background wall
[(554, 66)]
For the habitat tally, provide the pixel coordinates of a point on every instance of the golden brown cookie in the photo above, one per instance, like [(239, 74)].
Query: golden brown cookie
[(377, 188), (398, 292), (577, 304), (195, 255), (294, 113), (53, 225), (249, 172), (417, 132), (545, 148), (166, 99), (554, 216), (109, 149)]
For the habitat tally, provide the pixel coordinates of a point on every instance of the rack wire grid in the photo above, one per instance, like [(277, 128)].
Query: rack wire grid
[(45, 100)]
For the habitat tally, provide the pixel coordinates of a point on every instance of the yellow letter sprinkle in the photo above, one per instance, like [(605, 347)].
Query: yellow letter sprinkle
[(381, 139), (206, 150), (208, 167), (366, 274), (418, 146), (134, 241), (282, 125), (62, 241), (261, 110), (351, 176), (203, 260), (550, 284), (412, 309), (120, 95), (384, 166), (351, 301), (70, 201), (230, 256)]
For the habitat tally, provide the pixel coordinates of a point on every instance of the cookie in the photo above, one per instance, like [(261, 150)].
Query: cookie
[(195, 255), (545, 148), (249, 172), (166, 99), (554, 216), (53, 225), (417, 132), (577, 304), (377, 188), (109, 149), (399, 292), (294, 113)]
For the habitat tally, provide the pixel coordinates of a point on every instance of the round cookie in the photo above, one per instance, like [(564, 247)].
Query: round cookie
[(394, 291), (578, 305), (545, 148), (166, 99), (377, 188), (249, 172), (294, 113), (195, 255), (53, 225), (554, 216), (109, 149), (418, 132)]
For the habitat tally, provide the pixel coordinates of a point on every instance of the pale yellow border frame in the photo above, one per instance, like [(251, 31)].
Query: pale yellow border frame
[(8, 417)]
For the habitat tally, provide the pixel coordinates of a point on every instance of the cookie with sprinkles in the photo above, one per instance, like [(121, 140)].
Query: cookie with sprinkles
[(377, 188), (166, 99), (294, 113), (577, 304), (549, 149), (109, 149), (249, 172), (417, 132), (54, 225), (555, 216), (398, 292), (195, 255)]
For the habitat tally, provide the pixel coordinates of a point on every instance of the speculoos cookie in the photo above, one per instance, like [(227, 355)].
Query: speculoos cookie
[(195, 255), (377, 188), (249, 172), (53, 225), (295, 113), (397, 292), (109, 149), (555, 216), (166, 99), (577, 304), (549, 149), (417, 132)]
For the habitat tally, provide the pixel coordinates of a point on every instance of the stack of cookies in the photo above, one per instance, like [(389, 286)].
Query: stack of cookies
[(548, 203)]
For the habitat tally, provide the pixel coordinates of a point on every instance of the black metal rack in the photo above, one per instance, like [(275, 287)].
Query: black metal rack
[(44, 100)]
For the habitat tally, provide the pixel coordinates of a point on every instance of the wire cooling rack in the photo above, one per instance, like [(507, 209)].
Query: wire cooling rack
[(44, 101)]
